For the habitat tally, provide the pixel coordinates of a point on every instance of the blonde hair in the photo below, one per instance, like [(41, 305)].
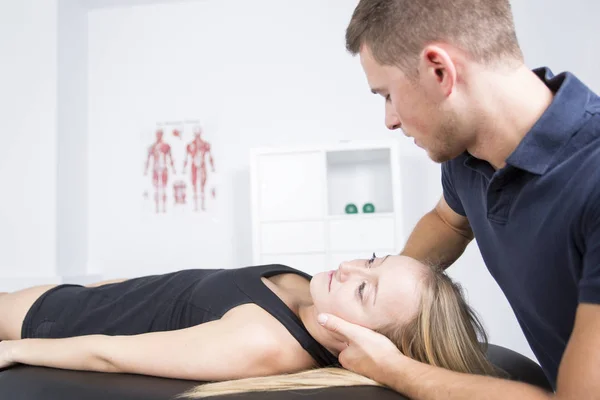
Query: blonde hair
[(396, 31), (445, 333)]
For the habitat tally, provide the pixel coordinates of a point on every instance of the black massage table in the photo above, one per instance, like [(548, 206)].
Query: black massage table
[(35, 383)]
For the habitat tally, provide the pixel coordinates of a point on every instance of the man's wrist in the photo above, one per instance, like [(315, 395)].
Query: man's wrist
[(393, 370)]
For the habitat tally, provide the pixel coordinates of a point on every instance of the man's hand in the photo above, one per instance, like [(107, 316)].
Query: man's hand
[(6, 354), (366, 352)]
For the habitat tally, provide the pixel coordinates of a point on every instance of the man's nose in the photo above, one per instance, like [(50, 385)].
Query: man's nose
[(392, 122)]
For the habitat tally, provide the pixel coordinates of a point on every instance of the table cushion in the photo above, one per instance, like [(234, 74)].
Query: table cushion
[(36, 383)]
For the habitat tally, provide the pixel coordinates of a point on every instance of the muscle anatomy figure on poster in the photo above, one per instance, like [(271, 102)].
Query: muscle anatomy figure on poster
[(179, 143)]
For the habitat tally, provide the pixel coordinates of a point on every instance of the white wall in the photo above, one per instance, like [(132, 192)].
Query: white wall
[(72, 173), (28, 43), (563, 36)]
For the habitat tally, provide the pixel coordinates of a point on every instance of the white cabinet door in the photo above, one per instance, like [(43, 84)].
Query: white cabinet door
[(361, 233), (292, 237), (291, 186)]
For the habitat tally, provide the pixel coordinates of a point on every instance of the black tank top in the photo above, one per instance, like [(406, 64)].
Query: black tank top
[(166, 302), (212, 296)]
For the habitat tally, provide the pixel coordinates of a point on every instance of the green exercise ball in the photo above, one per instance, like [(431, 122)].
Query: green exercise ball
[(351, 209), (368, 208)]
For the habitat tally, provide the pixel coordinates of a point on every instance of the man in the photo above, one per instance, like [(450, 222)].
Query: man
[(520, 155)]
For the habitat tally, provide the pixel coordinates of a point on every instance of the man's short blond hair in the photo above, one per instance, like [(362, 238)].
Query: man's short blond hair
[(396, 31)]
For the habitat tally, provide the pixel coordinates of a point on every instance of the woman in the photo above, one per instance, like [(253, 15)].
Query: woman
[(217, 325)]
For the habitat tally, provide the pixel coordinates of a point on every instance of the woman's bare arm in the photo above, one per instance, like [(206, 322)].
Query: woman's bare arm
[(228, 348), (69, 353)]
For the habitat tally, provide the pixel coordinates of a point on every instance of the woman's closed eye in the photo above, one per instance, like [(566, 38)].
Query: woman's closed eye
[(361, 290)]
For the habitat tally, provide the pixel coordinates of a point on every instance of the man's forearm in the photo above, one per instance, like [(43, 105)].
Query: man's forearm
[(434, 241), (75, 353), (420, 381)]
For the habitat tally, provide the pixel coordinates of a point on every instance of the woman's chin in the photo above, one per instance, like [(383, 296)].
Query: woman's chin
[(315, 284), (319, 276)]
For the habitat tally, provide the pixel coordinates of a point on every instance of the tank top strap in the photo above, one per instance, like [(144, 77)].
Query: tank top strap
[(269, 270), (248, 280)]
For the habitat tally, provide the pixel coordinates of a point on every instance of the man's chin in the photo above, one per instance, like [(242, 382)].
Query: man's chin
[(438, 157)]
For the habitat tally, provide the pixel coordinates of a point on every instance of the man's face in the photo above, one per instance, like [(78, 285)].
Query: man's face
[(422, 114)]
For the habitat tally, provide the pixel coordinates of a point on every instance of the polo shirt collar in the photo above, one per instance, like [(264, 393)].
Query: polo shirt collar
[(561, 120), (553, 130)]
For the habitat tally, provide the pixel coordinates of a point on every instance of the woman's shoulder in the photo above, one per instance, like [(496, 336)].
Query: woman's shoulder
[(265, 330)]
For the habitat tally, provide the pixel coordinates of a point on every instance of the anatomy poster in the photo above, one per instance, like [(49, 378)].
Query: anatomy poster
[(179, 169)]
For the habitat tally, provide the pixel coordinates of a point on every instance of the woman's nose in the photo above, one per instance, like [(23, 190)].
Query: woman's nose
[(347, 269)]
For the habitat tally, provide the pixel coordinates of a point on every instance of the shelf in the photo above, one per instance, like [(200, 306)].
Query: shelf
[(354, 217), (300, 197), (359, 177)]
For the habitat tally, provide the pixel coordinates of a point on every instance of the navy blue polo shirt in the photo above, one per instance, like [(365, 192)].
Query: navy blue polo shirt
[(537, 220)]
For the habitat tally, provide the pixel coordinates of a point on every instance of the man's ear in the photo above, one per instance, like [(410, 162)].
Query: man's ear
[(437, 70)]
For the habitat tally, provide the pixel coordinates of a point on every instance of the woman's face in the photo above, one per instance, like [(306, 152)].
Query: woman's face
[(371, 293)]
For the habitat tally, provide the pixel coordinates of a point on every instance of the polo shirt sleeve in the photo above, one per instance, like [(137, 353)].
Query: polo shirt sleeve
[(450, 194), (589, 285)]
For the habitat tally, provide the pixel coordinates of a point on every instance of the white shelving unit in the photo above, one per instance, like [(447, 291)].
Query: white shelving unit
[(299, 196)]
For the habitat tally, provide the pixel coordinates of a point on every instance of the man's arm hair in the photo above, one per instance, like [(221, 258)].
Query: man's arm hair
[(440, 237)]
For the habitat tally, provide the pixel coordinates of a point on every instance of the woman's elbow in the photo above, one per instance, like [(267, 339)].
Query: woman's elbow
[(100, 364), (105, 357)]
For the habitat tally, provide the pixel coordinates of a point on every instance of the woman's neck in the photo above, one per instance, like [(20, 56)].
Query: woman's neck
[(294, 291), (308, 315)]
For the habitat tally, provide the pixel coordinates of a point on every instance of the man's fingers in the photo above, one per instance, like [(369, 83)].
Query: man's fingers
[(344, 329)]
